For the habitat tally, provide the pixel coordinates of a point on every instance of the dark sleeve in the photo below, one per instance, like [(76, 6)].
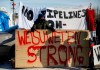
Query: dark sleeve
[(33, 27), (49, 27)]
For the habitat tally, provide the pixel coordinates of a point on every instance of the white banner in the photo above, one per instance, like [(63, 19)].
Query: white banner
[(96, 54), (73, 19), (27, 16)]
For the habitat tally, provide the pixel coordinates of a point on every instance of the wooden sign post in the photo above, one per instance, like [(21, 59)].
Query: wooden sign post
[(43, 48)]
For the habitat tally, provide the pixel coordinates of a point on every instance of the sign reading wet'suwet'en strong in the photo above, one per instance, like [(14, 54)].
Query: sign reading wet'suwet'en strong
[(43, 48)]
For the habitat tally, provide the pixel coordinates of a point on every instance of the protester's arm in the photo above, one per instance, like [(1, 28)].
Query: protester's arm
[(33, 27), (50, 27)]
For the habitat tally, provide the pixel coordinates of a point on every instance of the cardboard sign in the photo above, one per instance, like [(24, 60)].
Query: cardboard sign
[(96, 54), (43, 48)]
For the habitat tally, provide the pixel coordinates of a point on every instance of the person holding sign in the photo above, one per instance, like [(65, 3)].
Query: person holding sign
[(41, 23)]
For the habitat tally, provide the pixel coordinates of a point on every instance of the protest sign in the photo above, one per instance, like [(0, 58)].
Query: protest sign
[(43, 48), (27, 16), (71, 18), (59, 18), (96, 54)]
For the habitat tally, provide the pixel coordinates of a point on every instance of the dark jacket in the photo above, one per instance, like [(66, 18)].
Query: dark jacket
[(41, 24)]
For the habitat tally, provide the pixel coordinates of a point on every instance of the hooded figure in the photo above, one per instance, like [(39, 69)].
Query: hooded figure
[(41, 23)]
